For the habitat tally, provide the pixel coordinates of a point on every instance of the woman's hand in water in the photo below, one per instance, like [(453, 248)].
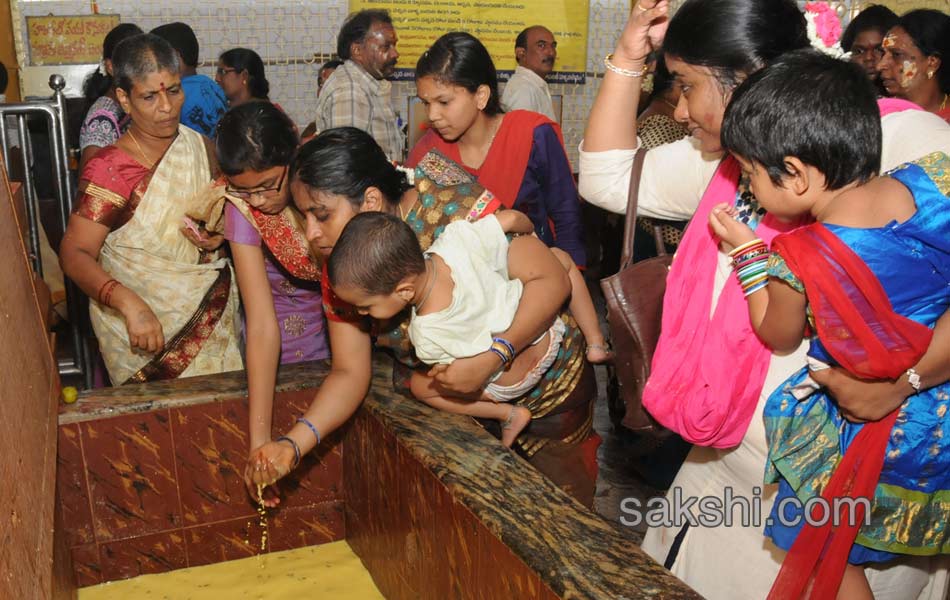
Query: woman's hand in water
[(465, 375), (265, 466), (643, 33), (722, 221)]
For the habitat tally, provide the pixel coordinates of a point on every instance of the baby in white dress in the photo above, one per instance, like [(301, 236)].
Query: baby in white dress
[(462, 299)]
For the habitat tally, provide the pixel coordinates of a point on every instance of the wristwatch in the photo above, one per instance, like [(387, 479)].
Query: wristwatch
[(913, 378)]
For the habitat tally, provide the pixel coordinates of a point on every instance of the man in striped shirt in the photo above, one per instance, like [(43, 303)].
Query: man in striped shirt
[(357, 93)]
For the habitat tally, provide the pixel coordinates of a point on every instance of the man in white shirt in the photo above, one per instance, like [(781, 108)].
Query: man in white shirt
[(535, 51), (357, 93)]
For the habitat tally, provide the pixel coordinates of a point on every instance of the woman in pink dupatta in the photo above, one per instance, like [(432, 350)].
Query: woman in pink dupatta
[(711, 375)]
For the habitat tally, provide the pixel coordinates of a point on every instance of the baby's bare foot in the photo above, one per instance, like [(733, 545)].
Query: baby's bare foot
[(598, 354), (517, 420)]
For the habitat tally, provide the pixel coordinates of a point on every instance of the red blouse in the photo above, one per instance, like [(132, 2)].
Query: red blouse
[(110, 187)]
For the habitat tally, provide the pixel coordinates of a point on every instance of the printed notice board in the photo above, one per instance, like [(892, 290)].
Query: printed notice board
[(419, 23), (68, 40)]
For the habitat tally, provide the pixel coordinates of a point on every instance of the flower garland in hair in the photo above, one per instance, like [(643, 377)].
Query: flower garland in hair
[(408, 172), (824, 28)]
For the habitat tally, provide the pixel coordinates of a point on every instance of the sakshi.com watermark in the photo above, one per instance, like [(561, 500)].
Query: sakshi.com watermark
[(731, 509)]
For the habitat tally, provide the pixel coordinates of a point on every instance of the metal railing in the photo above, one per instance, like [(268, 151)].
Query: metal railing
[(53, 111)]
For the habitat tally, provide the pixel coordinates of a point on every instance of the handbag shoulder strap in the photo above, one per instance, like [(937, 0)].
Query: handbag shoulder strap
[(630, 227)]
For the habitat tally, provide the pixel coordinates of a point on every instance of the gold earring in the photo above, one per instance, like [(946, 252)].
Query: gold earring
[(930, 74)]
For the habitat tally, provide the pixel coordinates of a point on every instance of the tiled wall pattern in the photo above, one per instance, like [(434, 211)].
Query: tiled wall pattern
[(288, 33), (162, 490)]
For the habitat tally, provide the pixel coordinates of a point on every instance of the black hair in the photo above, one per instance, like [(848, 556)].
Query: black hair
[(375, 253), (333, 63), (182, 37), (459, 58), (662, 79), (255, 136), (245, 59), (930, 30), (522, 40), (877, 17), (356, 27), (97, 83), (734, 38), (347, 161), (139, 56), (809, 105)]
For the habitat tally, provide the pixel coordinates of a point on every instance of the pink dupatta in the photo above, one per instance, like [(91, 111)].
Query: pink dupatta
[(708, 372)]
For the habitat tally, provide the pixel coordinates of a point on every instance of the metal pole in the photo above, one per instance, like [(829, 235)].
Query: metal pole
[(55, 112), (29, 195), (58, 83), (3, 141)]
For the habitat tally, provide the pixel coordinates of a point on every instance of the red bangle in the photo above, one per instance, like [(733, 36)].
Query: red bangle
[(105, 292)]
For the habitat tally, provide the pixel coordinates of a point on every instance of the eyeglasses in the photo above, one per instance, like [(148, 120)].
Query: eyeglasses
[(246, 194), (222, 71)]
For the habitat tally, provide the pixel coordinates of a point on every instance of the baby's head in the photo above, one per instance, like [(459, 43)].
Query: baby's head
[(804, 126), (375, 264)]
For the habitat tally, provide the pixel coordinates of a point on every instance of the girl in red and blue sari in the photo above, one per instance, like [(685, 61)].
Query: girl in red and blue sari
[(870, 279)]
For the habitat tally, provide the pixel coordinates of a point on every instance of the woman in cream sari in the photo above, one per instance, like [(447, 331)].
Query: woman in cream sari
[(163, 305)]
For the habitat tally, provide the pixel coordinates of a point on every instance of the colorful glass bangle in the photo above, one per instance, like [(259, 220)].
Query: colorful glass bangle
[(746, 246), (294, 445), (500, 354), (759, 286), (506, 344), (312, 427), (503, 350)]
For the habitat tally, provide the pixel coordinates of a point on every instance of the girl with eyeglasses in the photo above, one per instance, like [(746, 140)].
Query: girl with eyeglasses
[(278, 280)]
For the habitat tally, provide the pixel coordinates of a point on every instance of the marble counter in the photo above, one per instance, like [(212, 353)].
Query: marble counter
[(107, 402), (575, 553)]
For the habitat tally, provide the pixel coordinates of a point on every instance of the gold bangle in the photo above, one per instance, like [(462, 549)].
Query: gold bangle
[(619, 71)]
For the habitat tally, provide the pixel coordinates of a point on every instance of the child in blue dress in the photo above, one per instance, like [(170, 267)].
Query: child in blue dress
[(868, 281)]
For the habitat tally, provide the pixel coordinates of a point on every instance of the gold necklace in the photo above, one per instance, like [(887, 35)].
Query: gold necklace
[(435, 274), (408, 211), (943, 104), (142, 152), (494, 133)]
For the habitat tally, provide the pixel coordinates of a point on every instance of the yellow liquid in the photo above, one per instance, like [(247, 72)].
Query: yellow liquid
[(328, 571)]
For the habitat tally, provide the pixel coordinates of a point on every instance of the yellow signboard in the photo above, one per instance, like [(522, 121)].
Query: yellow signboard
[(903, 6), (68, 40), (419, 23)]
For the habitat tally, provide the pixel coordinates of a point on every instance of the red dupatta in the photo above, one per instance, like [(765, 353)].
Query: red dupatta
[(504, 167), (286, 241), (857, 325)]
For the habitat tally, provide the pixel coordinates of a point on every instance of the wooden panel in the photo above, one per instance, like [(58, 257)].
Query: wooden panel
[(436, 508), (148, 491), (28, 409)]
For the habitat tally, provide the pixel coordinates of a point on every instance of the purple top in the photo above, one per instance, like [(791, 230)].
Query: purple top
[(548, 193), (298, 303)]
